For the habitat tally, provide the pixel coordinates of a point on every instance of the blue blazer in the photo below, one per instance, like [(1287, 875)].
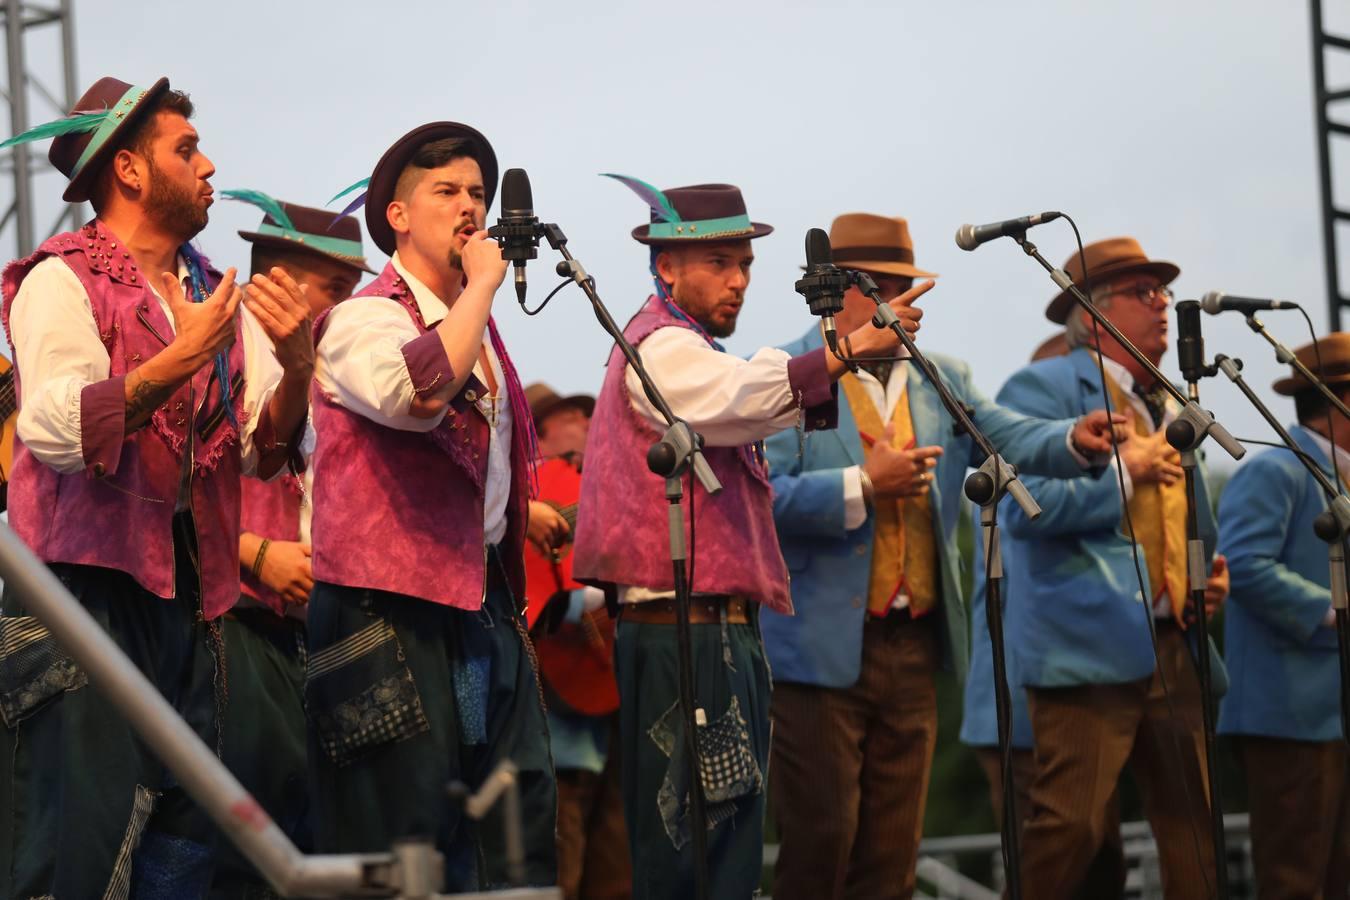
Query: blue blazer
[(1074, 612), (979, 715), (830, 566), (1285, 670)]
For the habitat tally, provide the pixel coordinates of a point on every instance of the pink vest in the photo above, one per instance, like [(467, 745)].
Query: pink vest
[(402, 511), (270, 509), (122, 519), (622, 537)]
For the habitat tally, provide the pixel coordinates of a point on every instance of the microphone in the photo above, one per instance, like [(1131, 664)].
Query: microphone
[(1190, 342), (517, 228), (1216, 302), (823, 285), (968, 237)]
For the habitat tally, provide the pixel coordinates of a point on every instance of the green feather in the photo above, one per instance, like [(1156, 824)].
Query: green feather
[(360, 184), (69, 125), (660, 204), (263, 202)]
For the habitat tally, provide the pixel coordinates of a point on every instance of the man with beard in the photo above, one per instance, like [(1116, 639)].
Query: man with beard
[(265, 632), (701, 256), (144, 398), (419, 669)]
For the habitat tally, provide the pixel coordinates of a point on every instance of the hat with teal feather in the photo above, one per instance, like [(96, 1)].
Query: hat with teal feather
[(86, 139), (699, 212), (291, 227)]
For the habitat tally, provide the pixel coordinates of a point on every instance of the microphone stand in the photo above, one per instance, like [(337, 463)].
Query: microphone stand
[(1185, 434), (1333, 525), (986, 487), (679, 450), (1283, 355)]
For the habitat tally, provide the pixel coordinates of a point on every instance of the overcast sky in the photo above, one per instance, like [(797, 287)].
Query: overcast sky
[(1186, 124)]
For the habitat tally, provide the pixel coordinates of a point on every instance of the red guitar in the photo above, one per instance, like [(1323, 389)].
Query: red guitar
[(576, 662)]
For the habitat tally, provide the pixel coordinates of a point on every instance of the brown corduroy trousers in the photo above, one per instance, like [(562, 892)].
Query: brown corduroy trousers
[(1085, 735), (848, 771), (1105, 879)]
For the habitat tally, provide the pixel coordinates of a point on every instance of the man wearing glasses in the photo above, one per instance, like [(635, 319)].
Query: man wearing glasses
[(1100, 697)]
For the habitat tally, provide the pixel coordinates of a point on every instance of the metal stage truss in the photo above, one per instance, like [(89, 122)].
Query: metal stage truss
[(39, 86)]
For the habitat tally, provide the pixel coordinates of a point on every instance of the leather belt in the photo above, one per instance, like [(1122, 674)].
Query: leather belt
[(704, 609)]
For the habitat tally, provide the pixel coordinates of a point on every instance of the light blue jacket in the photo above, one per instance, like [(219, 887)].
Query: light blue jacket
[(1074, 612), (979, 715), (830, 565), (1285, 670)]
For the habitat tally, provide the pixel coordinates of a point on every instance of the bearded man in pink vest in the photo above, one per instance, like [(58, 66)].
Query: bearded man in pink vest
[(701, 256), (265, 632), (419, 668), (144, 396)]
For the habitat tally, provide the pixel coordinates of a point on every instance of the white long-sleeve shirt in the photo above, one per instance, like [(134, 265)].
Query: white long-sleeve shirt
[(360, 364), (58, 353), (730, 401)]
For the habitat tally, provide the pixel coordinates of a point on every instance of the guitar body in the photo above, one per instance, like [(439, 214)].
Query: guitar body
[(576, 662), (9, 410)]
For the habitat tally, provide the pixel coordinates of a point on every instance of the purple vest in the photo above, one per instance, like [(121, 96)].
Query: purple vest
[(402, 511), (622, 537), (122, 519), (270, 509)]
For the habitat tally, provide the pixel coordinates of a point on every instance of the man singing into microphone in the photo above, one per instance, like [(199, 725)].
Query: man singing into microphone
[(1280, 640), (700, 239), (1100, 698), (419, 668), (867, 521)]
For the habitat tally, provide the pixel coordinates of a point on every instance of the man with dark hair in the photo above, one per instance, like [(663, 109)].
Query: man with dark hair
[(419, 668), (700, 239), (1280, 639), (265, 632), (140, 411)]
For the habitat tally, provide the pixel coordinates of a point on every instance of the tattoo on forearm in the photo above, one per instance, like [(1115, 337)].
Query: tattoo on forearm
[(143, 397)]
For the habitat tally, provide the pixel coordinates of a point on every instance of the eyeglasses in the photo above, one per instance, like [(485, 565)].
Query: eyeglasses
[(1149, 296)]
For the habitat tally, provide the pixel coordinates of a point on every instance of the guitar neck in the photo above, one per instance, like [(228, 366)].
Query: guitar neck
[(9, 398)]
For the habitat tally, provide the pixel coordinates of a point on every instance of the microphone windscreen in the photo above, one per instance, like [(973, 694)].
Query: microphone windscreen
[(965, 237), (1212, 302), (818, 249), (517, 198)]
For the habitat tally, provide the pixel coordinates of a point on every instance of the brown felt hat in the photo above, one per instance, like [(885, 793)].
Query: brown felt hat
[(80, 156), (1335, 367), (380, 191), (315, 231), (874, 243), (1110, 258), (544, 400), (708, 212)]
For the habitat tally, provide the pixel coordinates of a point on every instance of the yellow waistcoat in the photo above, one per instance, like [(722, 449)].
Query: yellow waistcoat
[(1158, 513), (904, 546)]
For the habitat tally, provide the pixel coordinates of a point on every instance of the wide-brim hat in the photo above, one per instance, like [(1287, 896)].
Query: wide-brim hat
[(310, 230), (698, 212), (873, 243), (544, 400), (1334, 368), (81, 155), (1107, 259), (384, 178)]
